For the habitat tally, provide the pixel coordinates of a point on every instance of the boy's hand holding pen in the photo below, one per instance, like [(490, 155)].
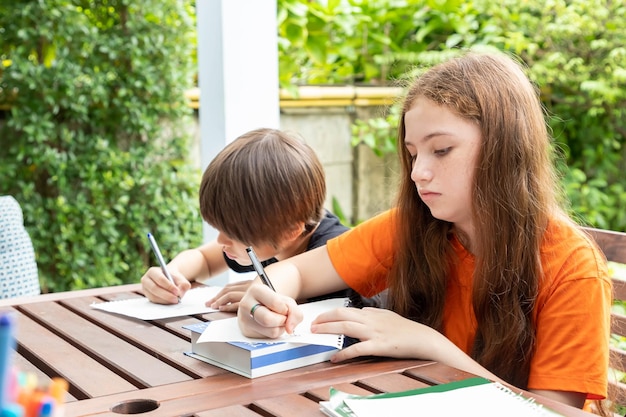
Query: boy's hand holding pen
[(163, 264)]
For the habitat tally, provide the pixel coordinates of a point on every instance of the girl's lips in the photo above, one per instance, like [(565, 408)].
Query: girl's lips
[(428, 195)]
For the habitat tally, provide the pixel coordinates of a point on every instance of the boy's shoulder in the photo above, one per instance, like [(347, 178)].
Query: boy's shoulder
[(330, 226)]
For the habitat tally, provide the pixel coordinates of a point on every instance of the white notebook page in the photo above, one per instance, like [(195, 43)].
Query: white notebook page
[(144, 309), (485, 400)]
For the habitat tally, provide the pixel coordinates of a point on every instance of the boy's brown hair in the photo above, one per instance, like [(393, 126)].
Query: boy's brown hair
[(261, 185)]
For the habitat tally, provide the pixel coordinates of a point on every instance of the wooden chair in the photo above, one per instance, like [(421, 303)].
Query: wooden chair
[(613, 244)]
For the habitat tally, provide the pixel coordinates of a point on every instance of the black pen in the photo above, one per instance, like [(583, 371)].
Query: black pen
[(258, 267), (157, 252)]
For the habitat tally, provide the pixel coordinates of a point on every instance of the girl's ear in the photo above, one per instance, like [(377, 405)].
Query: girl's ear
[(294, 232)]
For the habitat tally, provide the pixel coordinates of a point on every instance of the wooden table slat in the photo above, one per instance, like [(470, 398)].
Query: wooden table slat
[(229, 389), (391, 383), (120, 356), (69, 294), (323, 393), (176, 326), (56, 357), (168, 347), (25, 366), (436, 373), (230, 411), (287, 406)]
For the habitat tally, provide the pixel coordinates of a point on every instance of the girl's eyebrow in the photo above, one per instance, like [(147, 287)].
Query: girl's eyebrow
[(432, 135)]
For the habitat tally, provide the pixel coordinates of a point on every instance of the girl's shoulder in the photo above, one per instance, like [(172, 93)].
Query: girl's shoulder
[(568, 253), (564, 235)]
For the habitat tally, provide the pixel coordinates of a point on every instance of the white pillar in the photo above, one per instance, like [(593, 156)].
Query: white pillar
[(237, 75)]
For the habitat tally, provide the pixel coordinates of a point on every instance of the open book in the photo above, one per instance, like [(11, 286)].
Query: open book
[(221, 343), (470, 397)]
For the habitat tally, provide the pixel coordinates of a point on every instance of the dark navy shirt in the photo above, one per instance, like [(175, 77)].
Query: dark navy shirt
[(329, 227)]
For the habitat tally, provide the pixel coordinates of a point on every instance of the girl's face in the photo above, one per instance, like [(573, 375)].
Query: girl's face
[(444, 148)]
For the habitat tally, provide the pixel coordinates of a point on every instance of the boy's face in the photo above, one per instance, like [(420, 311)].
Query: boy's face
[(236, 250)]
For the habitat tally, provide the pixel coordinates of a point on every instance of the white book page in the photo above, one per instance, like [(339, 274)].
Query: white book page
[(141, 308), (227, 330)]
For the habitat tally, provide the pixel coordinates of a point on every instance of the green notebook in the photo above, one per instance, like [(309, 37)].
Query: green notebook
[(473, 396)]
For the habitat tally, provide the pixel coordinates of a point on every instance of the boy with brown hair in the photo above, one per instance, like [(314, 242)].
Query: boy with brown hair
[(266, 189)]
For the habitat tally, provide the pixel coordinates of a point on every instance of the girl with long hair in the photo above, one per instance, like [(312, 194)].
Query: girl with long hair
[(484, 269)]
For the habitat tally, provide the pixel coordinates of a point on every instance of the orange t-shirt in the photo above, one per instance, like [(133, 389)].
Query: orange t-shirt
[(572, 312)]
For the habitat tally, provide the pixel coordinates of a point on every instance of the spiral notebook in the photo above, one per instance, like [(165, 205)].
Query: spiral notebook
[(470, 397)]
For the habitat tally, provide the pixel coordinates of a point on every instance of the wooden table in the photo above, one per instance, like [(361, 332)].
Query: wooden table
[(117, 365)]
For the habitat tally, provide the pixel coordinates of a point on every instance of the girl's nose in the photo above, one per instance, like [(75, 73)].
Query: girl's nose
[(421, 172)]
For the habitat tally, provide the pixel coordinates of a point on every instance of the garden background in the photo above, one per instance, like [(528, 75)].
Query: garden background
[(93, 97)]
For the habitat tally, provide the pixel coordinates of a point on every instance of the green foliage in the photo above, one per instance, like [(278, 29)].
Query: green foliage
[(92, 147), (338, 211), (368, 41), (575, 53), (574, 50), (378, 133)]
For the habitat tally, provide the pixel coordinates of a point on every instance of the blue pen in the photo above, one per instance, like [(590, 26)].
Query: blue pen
[(157, 252)]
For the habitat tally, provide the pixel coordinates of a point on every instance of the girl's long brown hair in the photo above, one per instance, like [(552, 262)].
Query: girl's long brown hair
[(514, 194)]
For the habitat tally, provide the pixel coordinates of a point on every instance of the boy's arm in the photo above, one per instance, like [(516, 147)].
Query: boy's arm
[(199, 263), (317, 275)]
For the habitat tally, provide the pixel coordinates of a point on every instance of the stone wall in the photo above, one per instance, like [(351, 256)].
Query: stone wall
[(327, 131)]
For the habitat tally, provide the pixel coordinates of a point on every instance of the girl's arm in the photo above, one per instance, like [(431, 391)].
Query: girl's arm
[(384, 333), (303, 276)]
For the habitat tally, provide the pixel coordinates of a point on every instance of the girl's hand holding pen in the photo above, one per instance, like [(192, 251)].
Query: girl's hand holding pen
[(264, 313)]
